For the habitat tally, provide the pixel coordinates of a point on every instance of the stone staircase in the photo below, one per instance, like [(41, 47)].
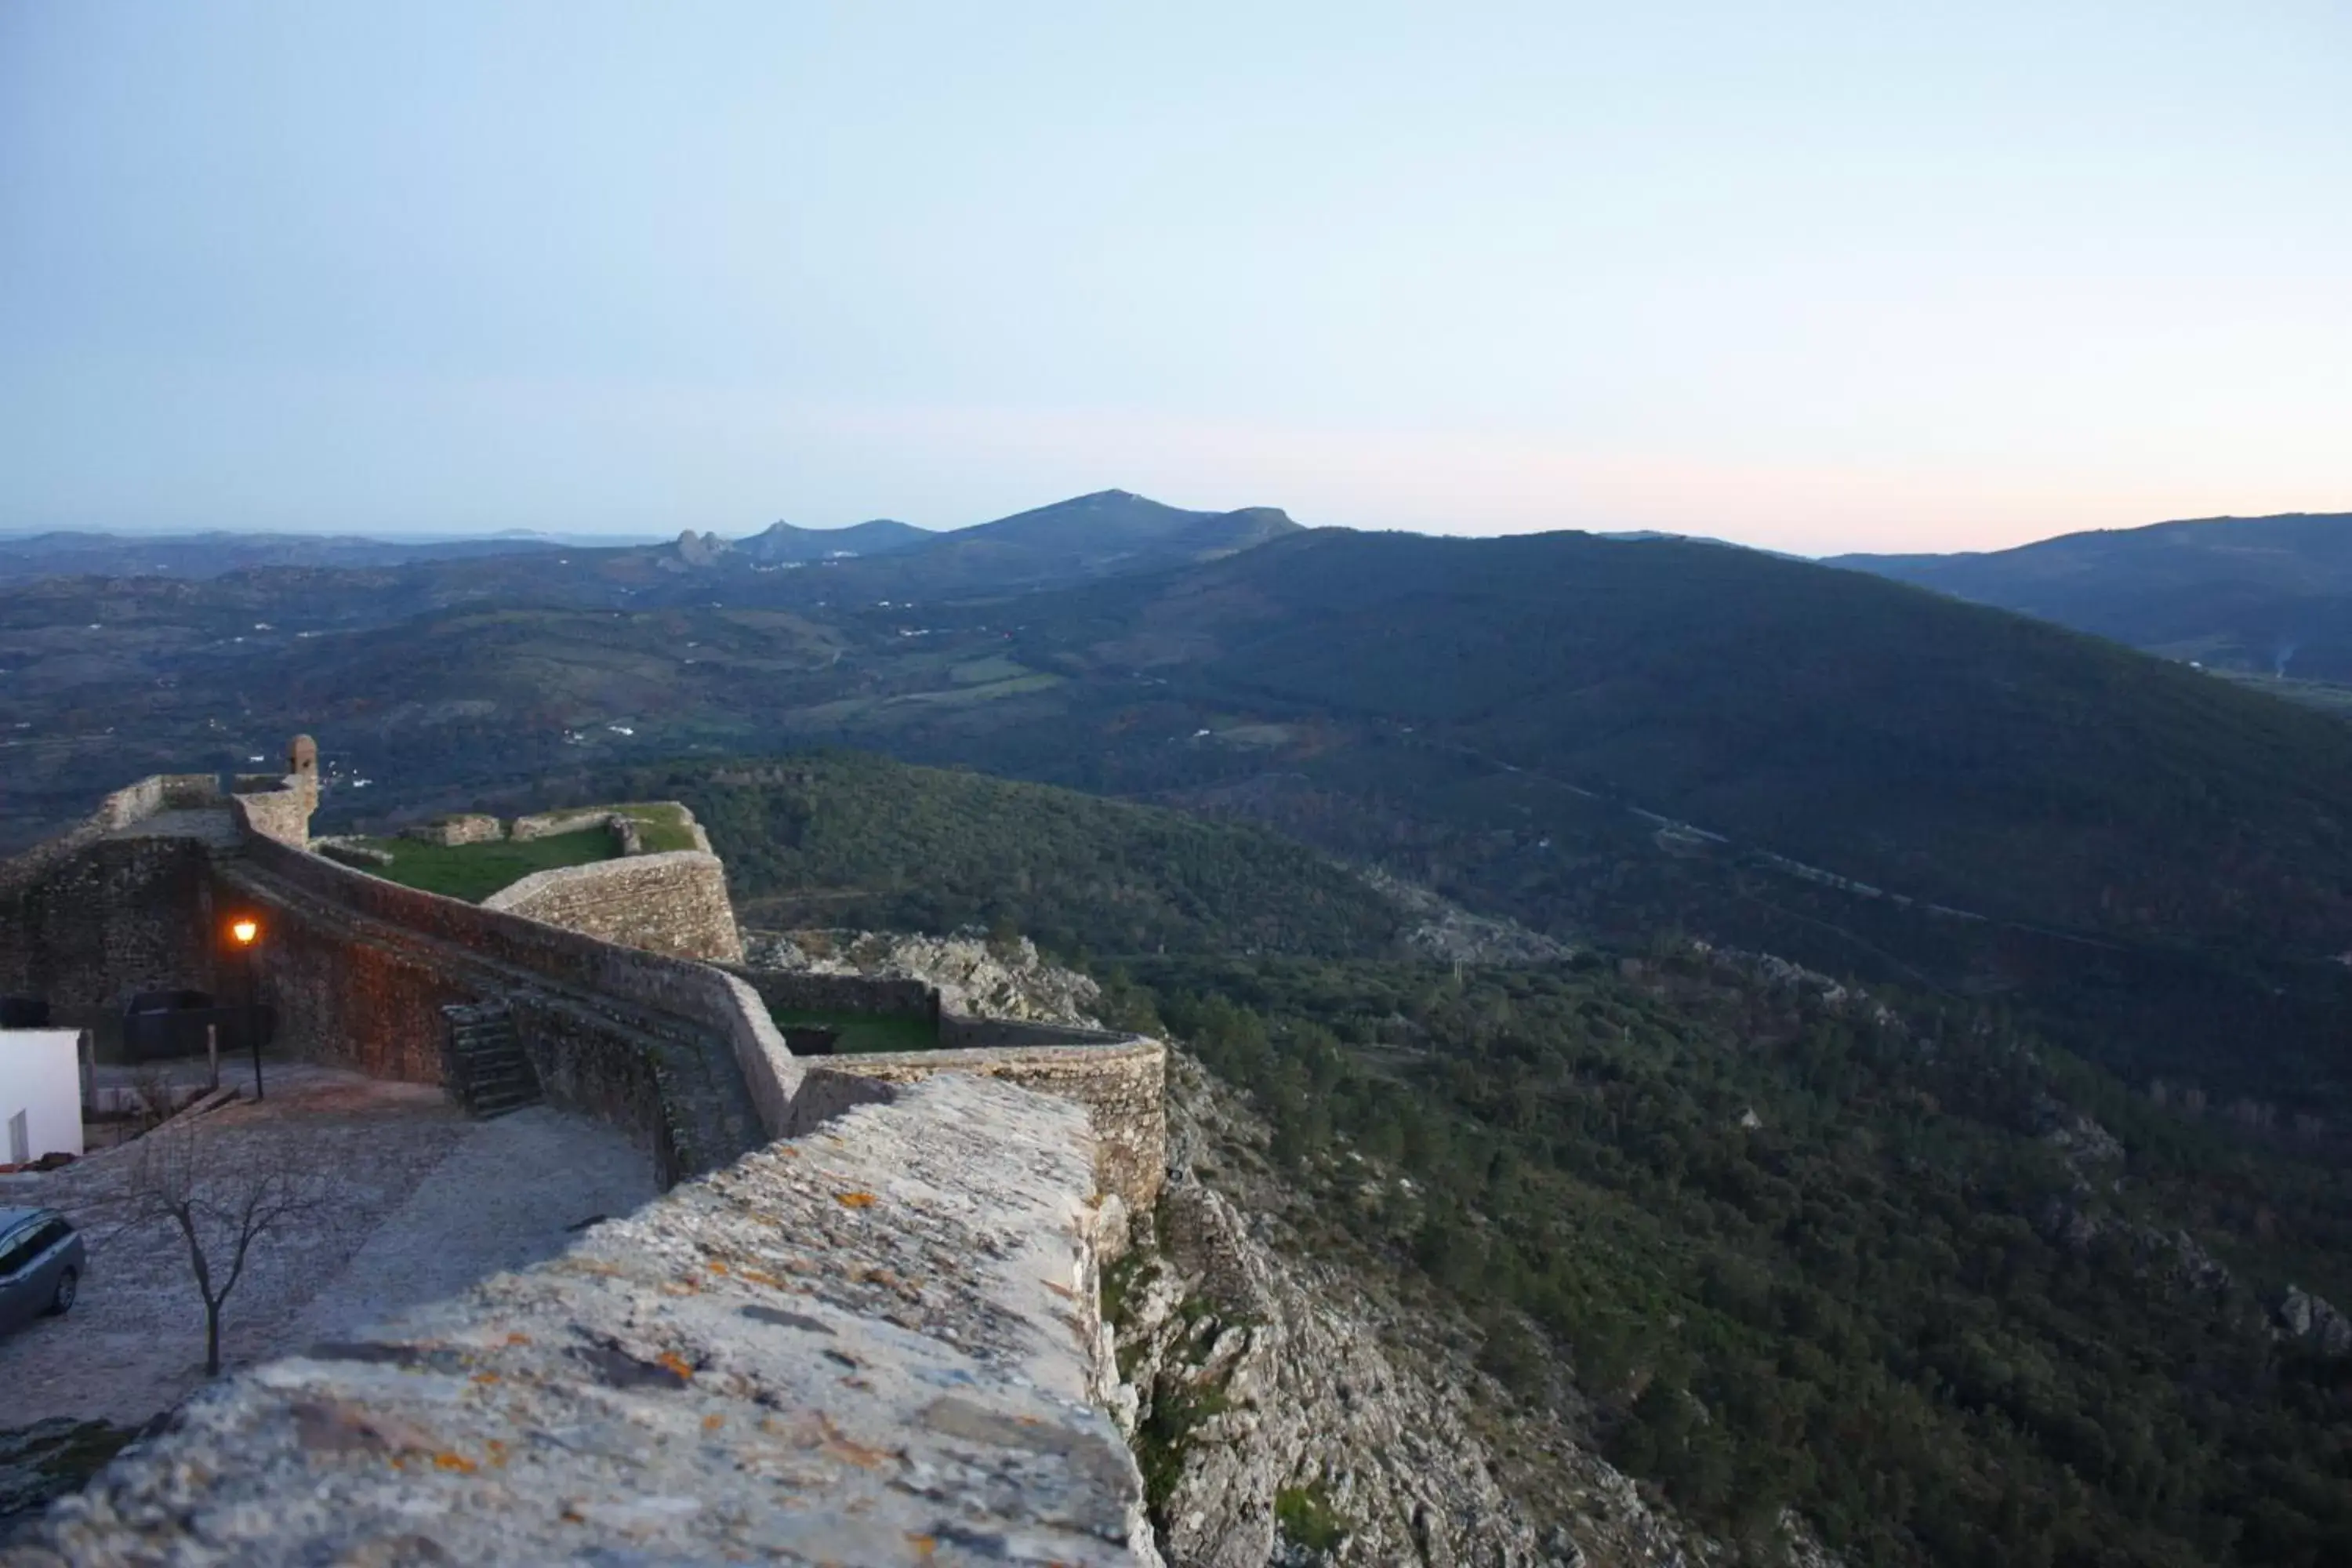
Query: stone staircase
[(710, 1119), (487, 1070)]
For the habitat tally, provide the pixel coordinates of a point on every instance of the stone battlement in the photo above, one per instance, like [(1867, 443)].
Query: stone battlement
[(867, 1307)]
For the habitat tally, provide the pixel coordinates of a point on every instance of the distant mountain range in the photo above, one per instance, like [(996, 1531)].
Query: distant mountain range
[(1072, 540), (2257, 595), (215, 554)]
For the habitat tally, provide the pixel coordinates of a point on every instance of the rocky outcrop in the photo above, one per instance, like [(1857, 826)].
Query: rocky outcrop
[(1288, 1407), (974, 974), (2312, 1321), (1444, 930), (1289, 1411)]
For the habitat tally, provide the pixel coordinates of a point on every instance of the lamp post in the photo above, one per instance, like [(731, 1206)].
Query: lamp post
[(245, 931)]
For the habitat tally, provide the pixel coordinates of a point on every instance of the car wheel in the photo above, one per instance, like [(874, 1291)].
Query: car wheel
[(62, 1299)]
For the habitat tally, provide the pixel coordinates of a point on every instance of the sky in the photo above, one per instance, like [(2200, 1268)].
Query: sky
[(1815, 277)]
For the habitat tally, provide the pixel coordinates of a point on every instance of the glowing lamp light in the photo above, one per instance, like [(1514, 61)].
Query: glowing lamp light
[(245, 931)]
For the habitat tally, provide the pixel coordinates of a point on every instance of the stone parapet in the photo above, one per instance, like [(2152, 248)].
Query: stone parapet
[(798, 990), (126, 808), (675, 903), (1120, 1079), (875, 1345), (697, 993), (464, 827)]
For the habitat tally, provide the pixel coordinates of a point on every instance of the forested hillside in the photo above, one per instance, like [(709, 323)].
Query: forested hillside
[(1890, 1258), (1954, 1295), (841, 839), (1899, 738)]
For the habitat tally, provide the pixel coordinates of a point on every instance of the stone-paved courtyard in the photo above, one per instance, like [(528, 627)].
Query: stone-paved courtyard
[(424, 1202)]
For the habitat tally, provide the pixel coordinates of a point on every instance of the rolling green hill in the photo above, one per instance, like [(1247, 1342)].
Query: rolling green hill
[(1602, 739), (1610, 739), (1895, 736), (2258, 595), (844, 840)]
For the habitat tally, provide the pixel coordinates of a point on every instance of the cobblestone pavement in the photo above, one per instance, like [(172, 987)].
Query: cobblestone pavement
[(424, 1202)]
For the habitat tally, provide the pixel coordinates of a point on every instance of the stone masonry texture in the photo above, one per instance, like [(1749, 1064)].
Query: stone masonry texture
[(1121, 1081), (875, 1344), (464, 827), (675, 903)]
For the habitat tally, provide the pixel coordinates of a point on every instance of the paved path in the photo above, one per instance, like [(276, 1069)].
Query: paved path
[(424, 1202), (512, 1191)]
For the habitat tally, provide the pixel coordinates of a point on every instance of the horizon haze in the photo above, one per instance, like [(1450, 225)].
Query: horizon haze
[(1822, 281)]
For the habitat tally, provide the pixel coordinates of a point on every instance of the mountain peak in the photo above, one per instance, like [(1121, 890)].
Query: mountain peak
[(781, 541)]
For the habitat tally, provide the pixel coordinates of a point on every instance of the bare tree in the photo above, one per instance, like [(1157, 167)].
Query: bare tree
[(224, 1197), (158, 1095)]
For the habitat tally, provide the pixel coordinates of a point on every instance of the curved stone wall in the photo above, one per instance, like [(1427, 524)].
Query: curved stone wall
[(707, 997)]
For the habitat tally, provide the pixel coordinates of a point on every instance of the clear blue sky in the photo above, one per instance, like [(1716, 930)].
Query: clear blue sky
[(1821, 276)]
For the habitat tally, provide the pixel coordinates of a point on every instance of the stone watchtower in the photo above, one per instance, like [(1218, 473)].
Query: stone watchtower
[(280, 807), (302, 769)]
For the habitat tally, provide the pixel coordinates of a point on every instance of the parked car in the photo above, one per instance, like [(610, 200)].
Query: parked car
[(41, 1264)]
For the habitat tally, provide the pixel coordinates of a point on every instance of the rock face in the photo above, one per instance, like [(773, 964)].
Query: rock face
[(973, 974), (1288, 1412), (1289, 1408), (2309, 1319), (1443, 929)]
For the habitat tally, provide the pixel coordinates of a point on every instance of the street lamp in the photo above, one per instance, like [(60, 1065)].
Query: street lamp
[(245, 931)]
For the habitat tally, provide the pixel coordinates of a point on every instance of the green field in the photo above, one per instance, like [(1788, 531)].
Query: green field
[(864, 1034), (474, 871), (664, 824)]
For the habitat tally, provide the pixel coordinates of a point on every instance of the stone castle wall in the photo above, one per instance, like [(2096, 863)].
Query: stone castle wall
[(280, 807), (939, 1233), (126, 808), (358, 969), (516, 950), (88, 918), (672, 1388), (554, 824), (465, 827), (798, 991), (675, 903), (348, 994), (1121, 1080), (118, 917)]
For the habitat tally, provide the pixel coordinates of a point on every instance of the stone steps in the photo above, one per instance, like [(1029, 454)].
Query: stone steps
[(488, 1071)]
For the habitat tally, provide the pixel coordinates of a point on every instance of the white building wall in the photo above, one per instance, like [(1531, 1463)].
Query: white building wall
[(40, 1079)]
